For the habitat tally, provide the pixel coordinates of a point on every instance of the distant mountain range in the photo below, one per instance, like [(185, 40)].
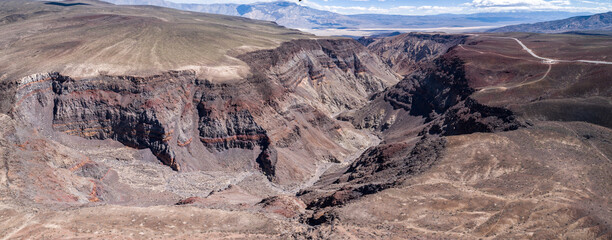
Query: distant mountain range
[(597, 22), (292, 15), (283, 13)]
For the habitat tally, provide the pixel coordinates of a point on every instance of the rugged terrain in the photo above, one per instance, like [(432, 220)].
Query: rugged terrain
[(431, 178), (597, 22), (294, 14), (413, 135)]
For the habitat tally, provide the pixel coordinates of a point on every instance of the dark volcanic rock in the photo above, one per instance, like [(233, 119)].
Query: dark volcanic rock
[(340, 74), (379, 168), (471, 116), (187, 201), (437, 97), (440, 93), (190, 123), (267, 159), (120, 108), (233, 130), (396, 159), (287, 206), (158, 113)]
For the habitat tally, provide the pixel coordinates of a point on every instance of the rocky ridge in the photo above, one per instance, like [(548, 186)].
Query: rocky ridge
[(405, 51), (321, 140), (180, 117), (307, 67), (436, 97), (597, 22)]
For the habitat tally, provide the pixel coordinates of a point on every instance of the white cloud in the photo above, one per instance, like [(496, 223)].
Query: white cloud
[(530, 5), (406, 7)]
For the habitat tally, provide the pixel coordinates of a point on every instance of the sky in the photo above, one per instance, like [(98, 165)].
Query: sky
[(423, 7)]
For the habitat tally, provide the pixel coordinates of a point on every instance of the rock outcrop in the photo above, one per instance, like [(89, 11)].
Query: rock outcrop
[(433, 102), (404, 52), (163, 113), (440, 93), (338, 74), (263, 121), (190, 123)]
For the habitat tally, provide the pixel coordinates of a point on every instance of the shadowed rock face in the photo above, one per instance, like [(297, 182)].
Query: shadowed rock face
[(163, 113), (429, 156), (377, 169), (440, 108), (236, 129), (340, 74), (435, 100), (440, 93), (180, 117), (404, 52), (122, 108)]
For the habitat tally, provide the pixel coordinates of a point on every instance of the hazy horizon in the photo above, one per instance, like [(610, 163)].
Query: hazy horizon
[(423, 7)]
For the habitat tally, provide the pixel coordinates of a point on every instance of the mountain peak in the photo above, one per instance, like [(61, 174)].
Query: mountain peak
[(601, 21)]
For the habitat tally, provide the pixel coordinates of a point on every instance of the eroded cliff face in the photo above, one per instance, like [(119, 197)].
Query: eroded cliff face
[(413, 118), (404, 52), (318, 133), (278, 120), (163, 113), (335, 75), (440, 93), (281, 119)]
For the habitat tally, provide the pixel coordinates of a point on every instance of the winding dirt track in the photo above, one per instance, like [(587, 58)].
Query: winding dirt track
[(548, 61), (552, 61)]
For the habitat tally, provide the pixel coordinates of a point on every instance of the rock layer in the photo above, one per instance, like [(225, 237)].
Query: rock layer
[(163, 113), (339, 74), (190, 123), (404, 52), (434, 102)]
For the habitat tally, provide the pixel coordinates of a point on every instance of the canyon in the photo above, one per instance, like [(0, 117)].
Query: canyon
[(277, 134)]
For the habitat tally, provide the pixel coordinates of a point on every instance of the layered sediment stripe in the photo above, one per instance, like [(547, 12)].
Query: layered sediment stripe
[(30, 94), (81, 164), (33, 85), (93, 195), (76, 129), (182, 144), (234, 138), (46, 79)]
